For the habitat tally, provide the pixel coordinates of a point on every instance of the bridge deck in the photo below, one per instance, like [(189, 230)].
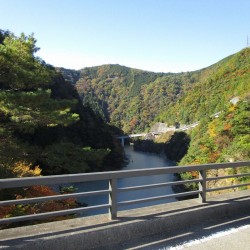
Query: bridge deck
[(132, 225)]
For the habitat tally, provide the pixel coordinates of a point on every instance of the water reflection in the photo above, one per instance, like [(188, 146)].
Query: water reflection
[(137, 160)]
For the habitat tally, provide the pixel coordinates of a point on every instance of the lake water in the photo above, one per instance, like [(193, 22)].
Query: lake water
[(137, 160)]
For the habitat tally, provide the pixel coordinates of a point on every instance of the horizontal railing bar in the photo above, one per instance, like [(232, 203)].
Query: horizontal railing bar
[(51, 214), (184, 182), (227, 176), (227, 187), (131, 202), (52, 197), (73, 178), (125, 189)]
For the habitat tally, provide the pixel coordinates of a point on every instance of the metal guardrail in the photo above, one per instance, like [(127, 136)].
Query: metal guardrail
[(113, 190)]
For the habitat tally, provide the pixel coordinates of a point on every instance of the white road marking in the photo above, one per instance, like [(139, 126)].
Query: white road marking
[(205, 239)]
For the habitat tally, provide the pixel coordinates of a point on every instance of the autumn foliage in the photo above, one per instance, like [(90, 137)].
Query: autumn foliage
[(22, 169)]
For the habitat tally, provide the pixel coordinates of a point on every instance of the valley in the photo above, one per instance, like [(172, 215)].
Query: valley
[(57, 121), (216, 96)]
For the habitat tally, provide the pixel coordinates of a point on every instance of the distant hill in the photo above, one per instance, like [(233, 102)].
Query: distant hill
[(129, 98), (133, 99)]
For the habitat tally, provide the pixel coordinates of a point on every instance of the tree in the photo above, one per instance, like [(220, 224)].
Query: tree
[(20, 69), (3, 35)]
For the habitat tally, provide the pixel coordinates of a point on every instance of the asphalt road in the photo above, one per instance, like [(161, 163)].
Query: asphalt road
[(235, 238), (231, 234)]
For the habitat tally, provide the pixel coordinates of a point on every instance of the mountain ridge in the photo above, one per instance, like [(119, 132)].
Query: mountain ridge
[(133, 99), (70, 70)]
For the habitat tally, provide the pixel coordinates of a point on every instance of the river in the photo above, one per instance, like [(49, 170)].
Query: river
[(137, 160)]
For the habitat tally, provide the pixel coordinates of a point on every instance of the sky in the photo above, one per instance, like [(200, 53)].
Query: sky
[(153, 35)]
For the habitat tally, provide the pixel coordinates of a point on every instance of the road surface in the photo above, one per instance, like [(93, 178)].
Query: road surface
[(233, 234)]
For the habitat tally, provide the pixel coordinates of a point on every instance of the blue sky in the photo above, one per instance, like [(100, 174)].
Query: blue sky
[(155, 35)]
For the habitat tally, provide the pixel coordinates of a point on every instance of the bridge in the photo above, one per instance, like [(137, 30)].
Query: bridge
[(123, 225), (123, 137)]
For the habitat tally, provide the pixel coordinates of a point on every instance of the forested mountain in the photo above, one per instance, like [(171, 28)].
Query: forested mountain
[(223, 88), (216, 86), (133, 99), (129, 98), (43, 124)]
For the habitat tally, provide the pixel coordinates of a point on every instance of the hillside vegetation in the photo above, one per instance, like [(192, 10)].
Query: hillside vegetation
[(45, 129), (217, 85), (42, 122), (129, 98), (133, 99), (224, 88)]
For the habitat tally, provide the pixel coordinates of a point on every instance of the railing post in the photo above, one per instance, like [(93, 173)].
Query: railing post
[(113, 199), (203, 186), (123, 142)]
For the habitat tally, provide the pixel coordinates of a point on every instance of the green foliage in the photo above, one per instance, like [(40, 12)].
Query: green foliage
[(19, 68), (174, 145), (177, 146), (70, 76), (223, 139), (189, 176), (28, 110), (148, 146), (3, 35), (42, 122), (70, 158), (68, 189)]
